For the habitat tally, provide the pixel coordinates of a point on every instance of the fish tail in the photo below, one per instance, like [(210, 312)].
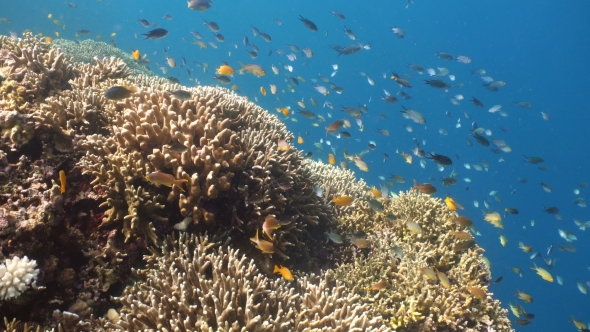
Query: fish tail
[(179, 183)]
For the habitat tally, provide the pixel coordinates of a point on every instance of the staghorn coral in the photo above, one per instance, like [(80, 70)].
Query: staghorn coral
[(194, 284), (410, 301)]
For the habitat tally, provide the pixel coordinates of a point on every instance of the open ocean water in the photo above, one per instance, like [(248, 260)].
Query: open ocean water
[(540, 49)]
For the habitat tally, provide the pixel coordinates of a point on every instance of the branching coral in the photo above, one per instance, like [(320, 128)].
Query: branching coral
[(198, 285), (412, 298), (222, 152)]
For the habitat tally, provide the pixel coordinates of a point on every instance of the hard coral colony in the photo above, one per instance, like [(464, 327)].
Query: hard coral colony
[(233, 183)]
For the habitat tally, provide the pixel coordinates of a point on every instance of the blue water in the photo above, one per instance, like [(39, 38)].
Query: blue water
[(540, 48)]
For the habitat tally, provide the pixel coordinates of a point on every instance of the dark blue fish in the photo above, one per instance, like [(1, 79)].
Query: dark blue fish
[(158, 33)]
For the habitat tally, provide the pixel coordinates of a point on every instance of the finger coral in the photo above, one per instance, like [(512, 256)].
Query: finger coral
[(16, 276)]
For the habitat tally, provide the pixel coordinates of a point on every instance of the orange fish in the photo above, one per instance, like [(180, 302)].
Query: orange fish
[(331, 159), (300, 140), (266, 247), (453, 206), (135, 54), (376, 192), (342, 200), (48, 39), (224, 69), (283, 145), (336, 125), (270, 225), (284, 272), (159, 178), (234, 87), (62, 180), (263, 91)]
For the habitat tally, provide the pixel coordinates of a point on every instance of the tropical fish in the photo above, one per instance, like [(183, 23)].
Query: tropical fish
[(213, 26), (283, 271), (62, 181), (266, 247), (452, 205), (425, 188), (253, 69), (308, 24), (400, 80), (158, 33), (224, 69), (440, 159), (477, 292), (413, 227), (463, 221), (168, 180), (342, 200), (270, 225), (526, 297), (543, 273), (378, 286), (119, 92), (413, 115), (200, 5)]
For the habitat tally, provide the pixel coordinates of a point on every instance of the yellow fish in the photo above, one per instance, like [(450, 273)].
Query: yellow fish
[(376, 192), (159, 178), (543, 273), (477, 292), (526, 297), (224, 69), (503, 240), (263, 91), (342, 200), (284, 272), (136, 55), (331, 159), (300, 140), (453, 206), (266, 247)]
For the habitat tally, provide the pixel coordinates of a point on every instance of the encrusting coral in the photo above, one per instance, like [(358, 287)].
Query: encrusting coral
[(218, 157)]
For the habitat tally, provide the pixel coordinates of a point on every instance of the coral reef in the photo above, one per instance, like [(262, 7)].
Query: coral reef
[(222, 290), (81, 194), (412, 299)]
